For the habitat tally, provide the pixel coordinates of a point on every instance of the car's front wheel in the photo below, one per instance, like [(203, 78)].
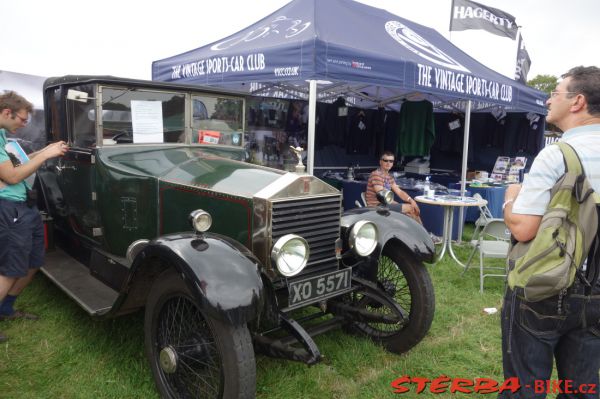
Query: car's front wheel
[(405, 281), (191, 354)]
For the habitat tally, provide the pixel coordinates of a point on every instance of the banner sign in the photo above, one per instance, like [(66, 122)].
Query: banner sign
[(463, 83), (466, 14), (523, 62)]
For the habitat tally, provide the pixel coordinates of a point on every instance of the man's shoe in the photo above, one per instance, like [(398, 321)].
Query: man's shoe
[(20, 315), (3, 338)]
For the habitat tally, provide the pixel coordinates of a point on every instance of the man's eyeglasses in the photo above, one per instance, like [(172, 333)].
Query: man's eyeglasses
[(556, 93), (23, 120), (388, 160)]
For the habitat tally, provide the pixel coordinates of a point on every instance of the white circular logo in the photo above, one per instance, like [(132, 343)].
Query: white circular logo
[(415, 43)]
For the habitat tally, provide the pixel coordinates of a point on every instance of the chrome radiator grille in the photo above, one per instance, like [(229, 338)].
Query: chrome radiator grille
[(317, 220)]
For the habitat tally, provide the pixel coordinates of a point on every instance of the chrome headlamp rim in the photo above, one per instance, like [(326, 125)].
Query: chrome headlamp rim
[(200, 220), (282, 247), (385, 197), (356, 238)]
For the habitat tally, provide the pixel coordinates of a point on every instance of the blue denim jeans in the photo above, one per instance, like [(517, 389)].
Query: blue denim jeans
[(535, 333)]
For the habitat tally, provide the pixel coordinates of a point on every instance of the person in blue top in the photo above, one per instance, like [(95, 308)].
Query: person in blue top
[(21, 228)]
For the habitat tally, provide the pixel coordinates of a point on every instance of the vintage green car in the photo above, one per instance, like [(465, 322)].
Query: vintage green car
[(155, 207)]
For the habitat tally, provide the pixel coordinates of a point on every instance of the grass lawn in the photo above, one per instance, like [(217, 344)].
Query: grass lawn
[(67, 354)]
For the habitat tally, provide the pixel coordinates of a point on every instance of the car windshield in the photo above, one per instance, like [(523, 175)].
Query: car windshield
[(131, 115)]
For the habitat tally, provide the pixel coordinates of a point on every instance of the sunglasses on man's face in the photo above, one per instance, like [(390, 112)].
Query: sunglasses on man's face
[(388, 160)]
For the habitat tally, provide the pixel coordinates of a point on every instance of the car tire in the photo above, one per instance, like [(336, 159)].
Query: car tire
[(192, 354), (405, 280)]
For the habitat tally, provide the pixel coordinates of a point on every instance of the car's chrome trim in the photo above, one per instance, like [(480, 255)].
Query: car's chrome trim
[(134, 249), (295, 185)]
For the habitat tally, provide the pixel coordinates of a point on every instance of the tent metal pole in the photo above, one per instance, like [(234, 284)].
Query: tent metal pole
[(312, 112), (463, 174)]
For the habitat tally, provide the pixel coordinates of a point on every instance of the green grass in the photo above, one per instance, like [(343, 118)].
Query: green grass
[(67, 354)]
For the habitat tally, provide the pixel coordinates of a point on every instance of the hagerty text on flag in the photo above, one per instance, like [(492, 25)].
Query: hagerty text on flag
[(468, 14)]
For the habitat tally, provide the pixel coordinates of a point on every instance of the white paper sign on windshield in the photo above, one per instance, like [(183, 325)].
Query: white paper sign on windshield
[(147, 121)]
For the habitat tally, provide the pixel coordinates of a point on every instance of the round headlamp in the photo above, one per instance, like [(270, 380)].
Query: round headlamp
[(363, 237), (385, 196), (290, 254), (200, 220)]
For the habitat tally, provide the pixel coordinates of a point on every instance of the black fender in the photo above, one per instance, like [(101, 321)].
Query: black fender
[(221, 273), (392, 225)]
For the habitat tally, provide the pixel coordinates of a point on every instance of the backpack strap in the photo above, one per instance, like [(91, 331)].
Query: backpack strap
[(573, 164), (592, 273), (572, 161)]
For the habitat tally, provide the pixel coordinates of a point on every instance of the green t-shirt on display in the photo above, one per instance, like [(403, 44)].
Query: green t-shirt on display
[(11, 192)]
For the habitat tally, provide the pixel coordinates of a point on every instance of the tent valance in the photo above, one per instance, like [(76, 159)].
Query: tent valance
[(369, 55)]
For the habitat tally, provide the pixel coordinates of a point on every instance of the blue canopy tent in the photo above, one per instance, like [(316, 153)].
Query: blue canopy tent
[(320, 50)]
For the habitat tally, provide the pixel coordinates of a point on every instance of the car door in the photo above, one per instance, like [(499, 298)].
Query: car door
[(75, 173)]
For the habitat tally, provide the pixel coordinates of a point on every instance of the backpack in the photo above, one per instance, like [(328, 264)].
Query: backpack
[(548, 263)]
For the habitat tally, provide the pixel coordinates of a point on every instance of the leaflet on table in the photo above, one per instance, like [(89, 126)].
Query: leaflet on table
[(452, 198), (16, 153), (456, 198)]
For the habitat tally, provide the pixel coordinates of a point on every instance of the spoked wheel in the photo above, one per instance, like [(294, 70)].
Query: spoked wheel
[(193, 355), (401, 325)]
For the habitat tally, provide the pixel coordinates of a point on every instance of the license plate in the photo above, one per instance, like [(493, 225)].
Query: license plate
[(322, 286)]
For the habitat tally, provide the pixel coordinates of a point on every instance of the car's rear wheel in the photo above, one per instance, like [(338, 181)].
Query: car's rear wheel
[(406, 281), (193, 355)]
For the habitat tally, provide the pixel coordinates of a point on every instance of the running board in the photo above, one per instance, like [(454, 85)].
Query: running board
[(75, 279)]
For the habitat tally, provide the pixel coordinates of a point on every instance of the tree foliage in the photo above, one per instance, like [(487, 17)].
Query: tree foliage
[(545, 83)]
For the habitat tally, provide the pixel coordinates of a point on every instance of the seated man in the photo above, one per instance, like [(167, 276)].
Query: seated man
[(381, 179)]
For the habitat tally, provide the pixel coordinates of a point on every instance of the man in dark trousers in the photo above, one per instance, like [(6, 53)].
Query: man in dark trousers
[(565, 327), (21, 228)]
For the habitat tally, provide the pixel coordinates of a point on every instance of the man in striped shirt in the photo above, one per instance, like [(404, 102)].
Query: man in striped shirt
[(381, 179)]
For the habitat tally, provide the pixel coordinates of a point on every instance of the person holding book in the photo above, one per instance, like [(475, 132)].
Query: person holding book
[(21, 227)]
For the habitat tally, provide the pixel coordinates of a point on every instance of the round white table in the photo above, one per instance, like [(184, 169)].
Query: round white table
[(449, 202)]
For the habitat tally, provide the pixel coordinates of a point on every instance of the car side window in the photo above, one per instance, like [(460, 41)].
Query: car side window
[(81, 120), (54, 124)]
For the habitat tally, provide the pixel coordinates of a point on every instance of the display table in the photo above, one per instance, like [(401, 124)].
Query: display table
[(432, 216), (449, 203), (494, 195)]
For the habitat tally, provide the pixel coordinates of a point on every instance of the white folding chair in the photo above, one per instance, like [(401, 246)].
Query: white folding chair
[(485, 215), (493, 242)]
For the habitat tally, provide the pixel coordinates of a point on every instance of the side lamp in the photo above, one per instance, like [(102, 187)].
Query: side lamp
[(385, 197)]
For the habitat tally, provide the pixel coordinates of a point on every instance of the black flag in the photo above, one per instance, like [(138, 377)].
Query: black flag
[(523, 62), (466, 14)]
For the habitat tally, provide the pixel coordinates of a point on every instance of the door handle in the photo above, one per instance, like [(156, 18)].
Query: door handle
[(59, 167)]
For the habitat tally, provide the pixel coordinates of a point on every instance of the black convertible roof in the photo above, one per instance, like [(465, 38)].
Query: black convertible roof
[(72, 80)]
